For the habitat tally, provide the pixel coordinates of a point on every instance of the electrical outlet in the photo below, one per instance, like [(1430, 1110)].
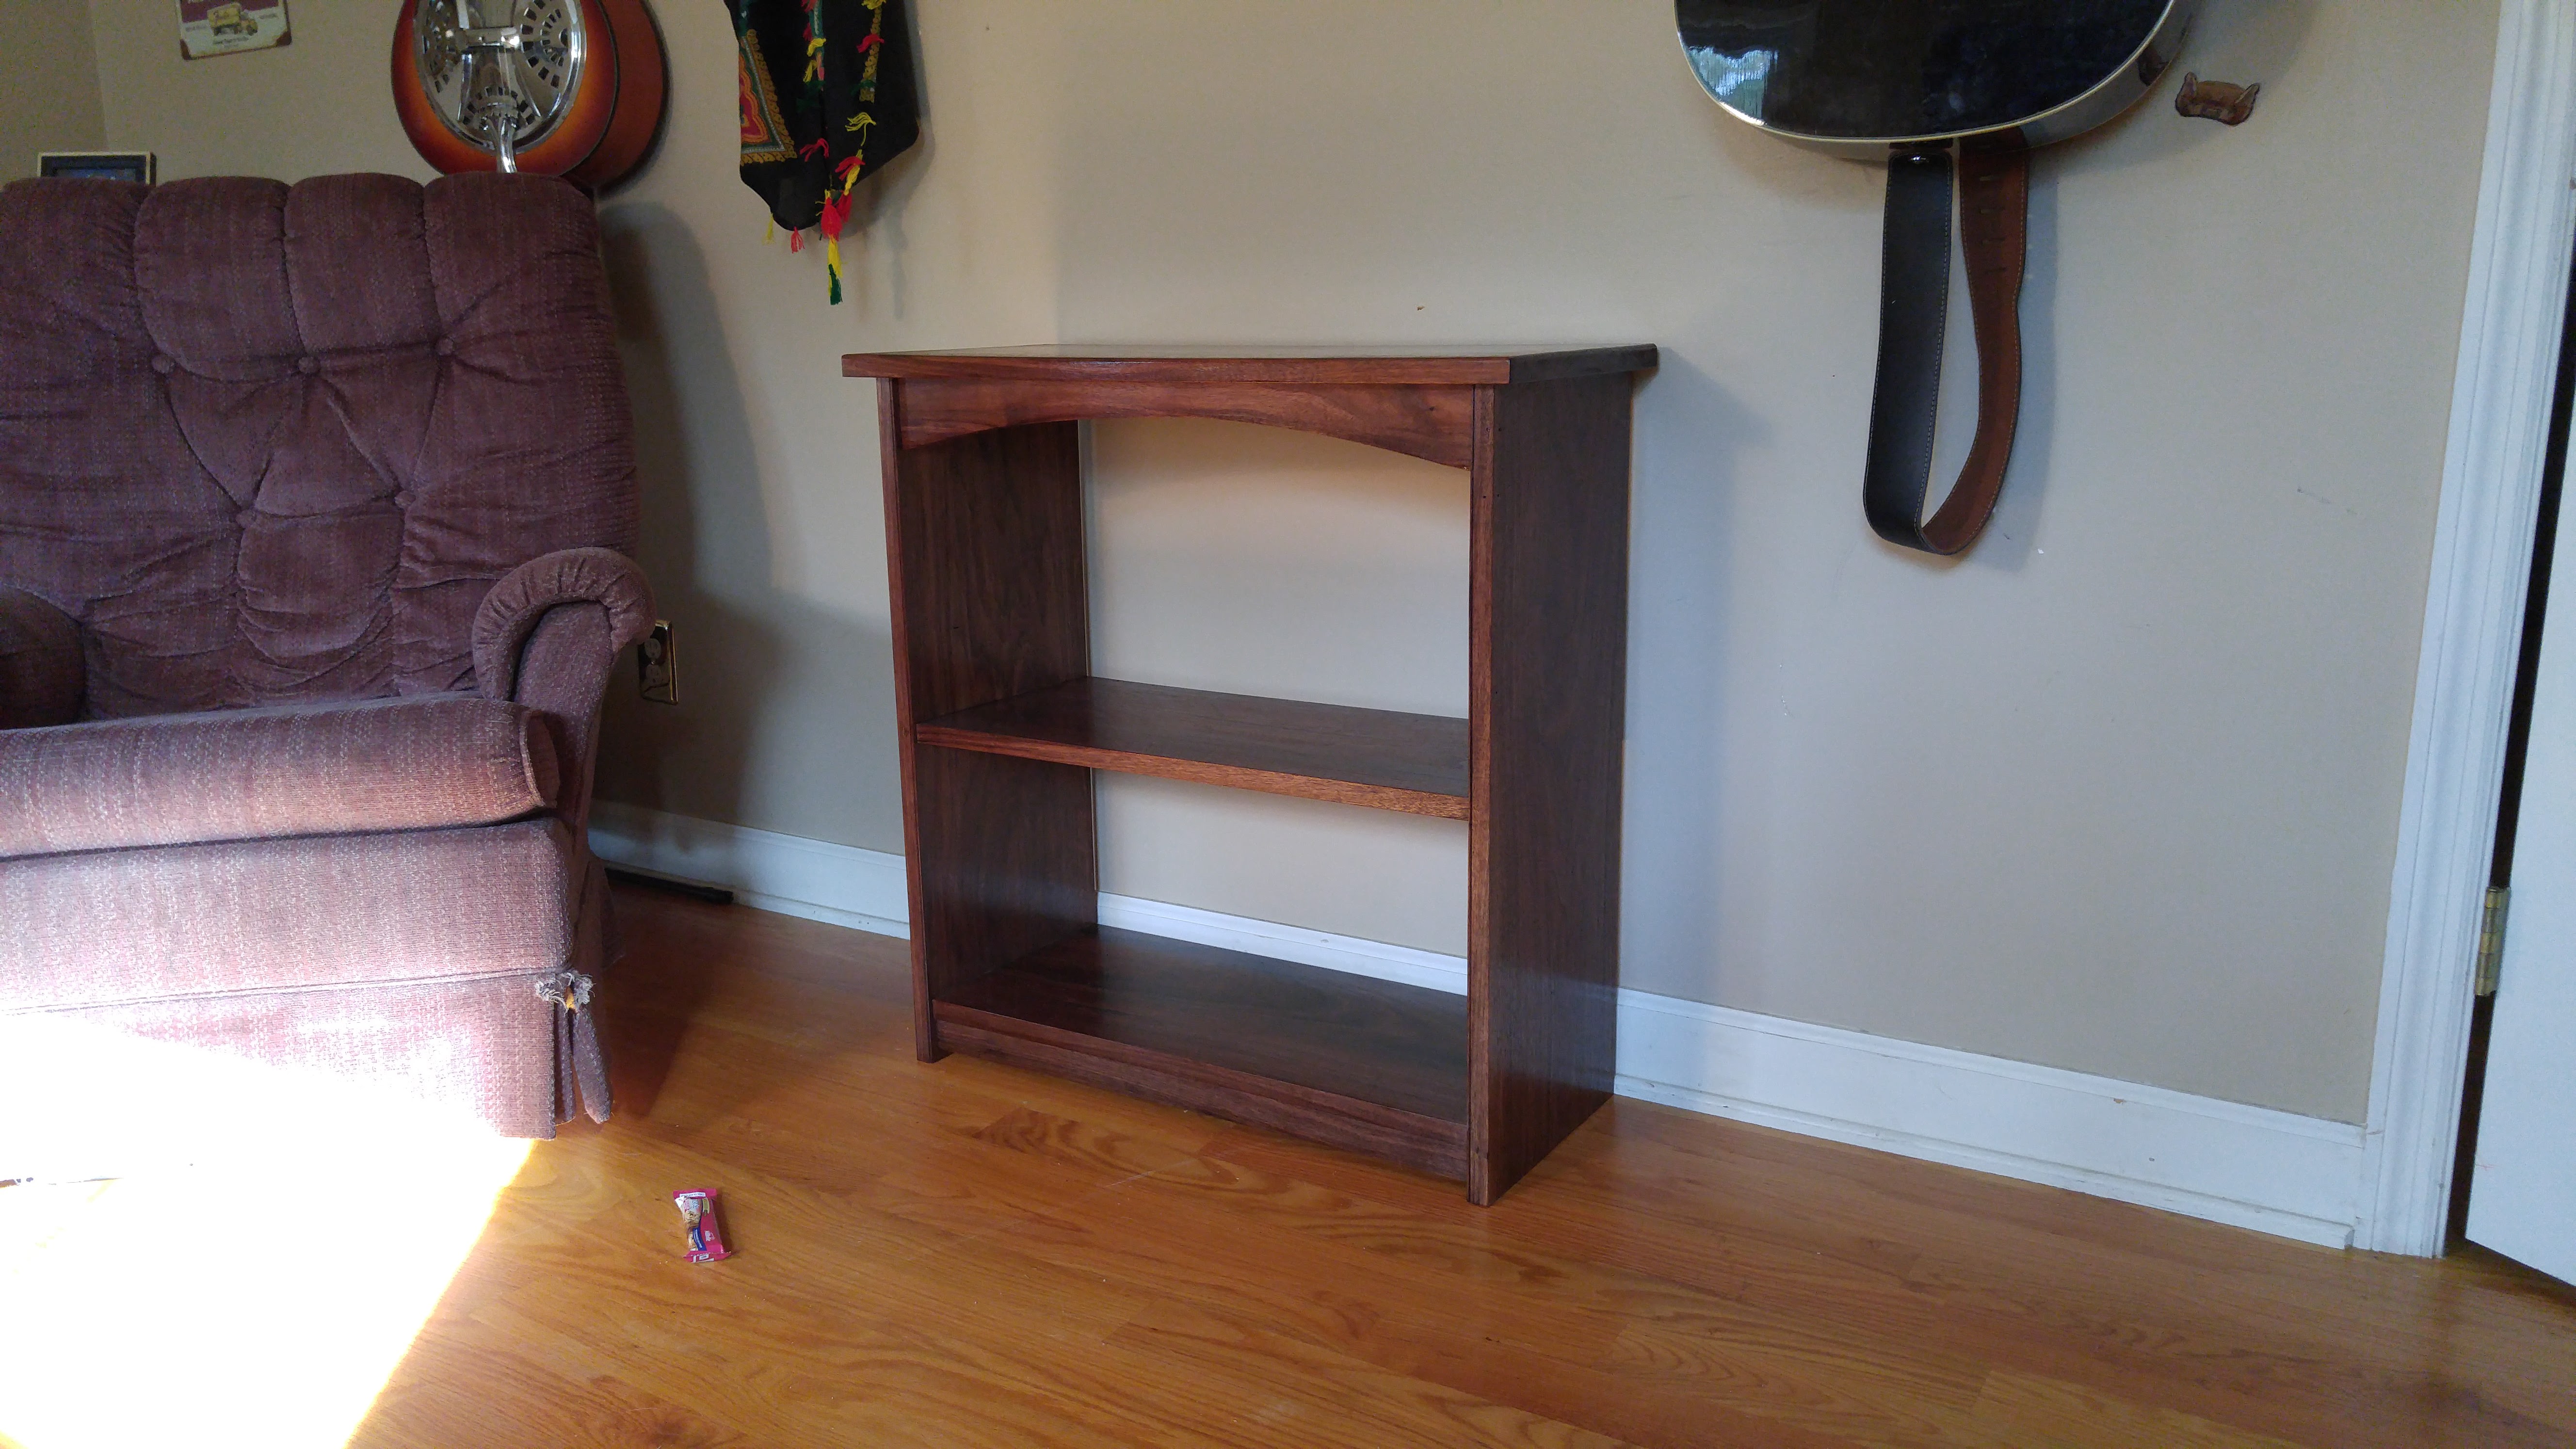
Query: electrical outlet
[(657, 665)]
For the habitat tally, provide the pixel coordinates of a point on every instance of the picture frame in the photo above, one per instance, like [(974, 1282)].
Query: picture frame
[(224, 27), (98, 165)]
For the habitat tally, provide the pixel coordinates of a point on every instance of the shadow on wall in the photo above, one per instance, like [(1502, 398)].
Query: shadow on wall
[(1683, 508), (746, 648), (878, 210), (1713, 882)]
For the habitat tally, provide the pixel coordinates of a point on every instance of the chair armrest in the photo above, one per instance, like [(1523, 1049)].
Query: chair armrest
[(41, 672), (546, 637), (523, 597)]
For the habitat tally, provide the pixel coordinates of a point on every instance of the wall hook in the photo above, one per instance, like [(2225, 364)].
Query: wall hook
[(2216, 100)]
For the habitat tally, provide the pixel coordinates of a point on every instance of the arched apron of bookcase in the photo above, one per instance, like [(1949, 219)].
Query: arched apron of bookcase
[(1437, 423)]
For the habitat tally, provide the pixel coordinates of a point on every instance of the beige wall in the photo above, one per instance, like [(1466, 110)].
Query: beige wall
[(2117, 793), (48, 83), (319, 104)]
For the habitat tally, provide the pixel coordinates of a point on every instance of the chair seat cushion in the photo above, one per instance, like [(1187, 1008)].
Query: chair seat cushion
[(406, 763), (109, 926)]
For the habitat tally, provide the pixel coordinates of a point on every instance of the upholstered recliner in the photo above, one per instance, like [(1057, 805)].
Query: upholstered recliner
[(314, 502)]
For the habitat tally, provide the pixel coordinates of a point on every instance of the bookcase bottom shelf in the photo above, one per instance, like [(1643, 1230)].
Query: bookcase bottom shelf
[(1372, 1066)]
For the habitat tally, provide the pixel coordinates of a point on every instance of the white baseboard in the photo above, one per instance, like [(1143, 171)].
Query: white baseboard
[(842, 885), (1288, 943), (2276, 1172), (2250, 1167)]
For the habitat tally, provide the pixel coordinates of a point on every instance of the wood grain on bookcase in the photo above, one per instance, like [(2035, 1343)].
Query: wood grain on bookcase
[(1002, 727), (984, 554), (1547, 620), (1427, 422), (1373, 757)]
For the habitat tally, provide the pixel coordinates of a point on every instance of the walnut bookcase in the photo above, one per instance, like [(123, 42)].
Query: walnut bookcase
[(1002, 725)]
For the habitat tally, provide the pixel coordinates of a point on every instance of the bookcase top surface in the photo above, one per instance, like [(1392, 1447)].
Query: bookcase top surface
[(1294, 366)]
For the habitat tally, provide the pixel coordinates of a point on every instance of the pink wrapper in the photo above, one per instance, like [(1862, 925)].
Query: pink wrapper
[(697, 1207)]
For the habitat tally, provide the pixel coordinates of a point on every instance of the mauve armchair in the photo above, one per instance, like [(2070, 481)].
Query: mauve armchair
[(314, 508)]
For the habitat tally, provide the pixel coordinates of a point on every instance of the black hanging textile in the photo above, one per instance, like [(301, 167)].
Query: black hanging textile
[(828, 98)]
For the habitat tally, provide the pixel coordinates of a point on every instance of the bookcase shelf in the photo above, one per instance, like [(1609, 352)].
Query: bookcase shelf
[(1003, 725), (1371, 1065), (1411, 762)]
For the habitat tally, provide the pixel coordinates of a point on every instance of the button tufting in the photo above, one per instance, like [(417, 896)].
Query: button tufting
[(308, 364), (164, 364), (246, 517), (446, 347)]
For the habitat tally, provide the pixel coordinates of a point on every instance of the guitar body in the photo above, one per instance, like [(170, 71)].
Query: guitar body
[(1858, 77), (581, 86)]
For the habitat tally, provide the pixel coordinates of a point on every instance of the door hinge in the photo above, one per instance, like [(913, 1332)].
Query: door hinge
[(2491, 940)]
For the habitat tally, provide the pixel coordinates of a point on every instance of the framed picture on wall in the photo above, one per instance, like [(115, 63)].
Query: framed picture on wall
[(220, 27), (97, 165)]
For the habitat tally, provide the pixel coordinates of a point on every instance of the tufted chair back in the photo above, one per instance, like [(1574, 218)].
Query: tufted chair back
[(269, 443)]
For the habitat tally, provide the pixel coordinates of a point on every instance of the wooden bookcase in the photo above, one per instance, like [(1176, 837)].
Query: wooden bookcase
[(1002, 725)]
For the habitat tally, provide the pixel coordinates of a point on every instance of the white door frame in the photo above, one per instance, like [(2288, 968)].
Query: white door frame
[(2482, 544)]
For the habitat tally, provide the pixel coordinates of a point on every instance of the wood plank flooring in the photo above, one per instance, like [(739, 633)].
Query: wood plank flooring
[(968, 1254)]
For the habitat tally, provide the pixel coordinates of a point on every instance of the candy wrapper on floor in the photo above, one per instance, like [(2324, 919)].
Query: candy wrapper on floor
[(706, 1229)]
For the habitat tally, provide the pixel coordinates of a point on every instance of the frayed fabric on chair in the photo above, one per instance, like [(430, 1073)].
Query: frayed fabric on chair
[(581, 1069)]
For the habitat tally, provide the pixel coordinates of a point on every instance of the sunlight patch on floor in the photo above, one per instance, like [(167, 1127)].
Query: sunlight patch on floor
[(263, 1297)]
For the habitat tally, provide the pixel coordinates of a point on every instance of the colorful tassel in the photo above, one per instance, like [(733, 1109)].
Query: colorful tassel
[(848, 88), (813, 48)]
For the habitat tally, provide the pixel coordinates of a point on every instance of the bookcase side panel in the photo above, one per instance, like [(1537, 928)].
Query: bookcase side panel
[(990, 538), (986, 549), (1548, 623)]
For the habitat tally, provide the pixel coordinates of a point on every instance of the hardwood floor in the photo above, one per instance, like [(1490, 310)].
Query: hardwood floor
[(967, 1254)]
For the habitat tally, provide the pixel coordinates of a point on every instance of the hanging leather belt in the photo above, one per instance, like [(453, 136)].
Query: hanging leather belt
[(1914, 315)]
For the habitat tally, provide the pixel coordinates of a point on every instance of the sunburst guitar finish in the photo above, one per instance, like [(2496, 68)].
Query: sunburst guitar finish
[(577, 83)]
